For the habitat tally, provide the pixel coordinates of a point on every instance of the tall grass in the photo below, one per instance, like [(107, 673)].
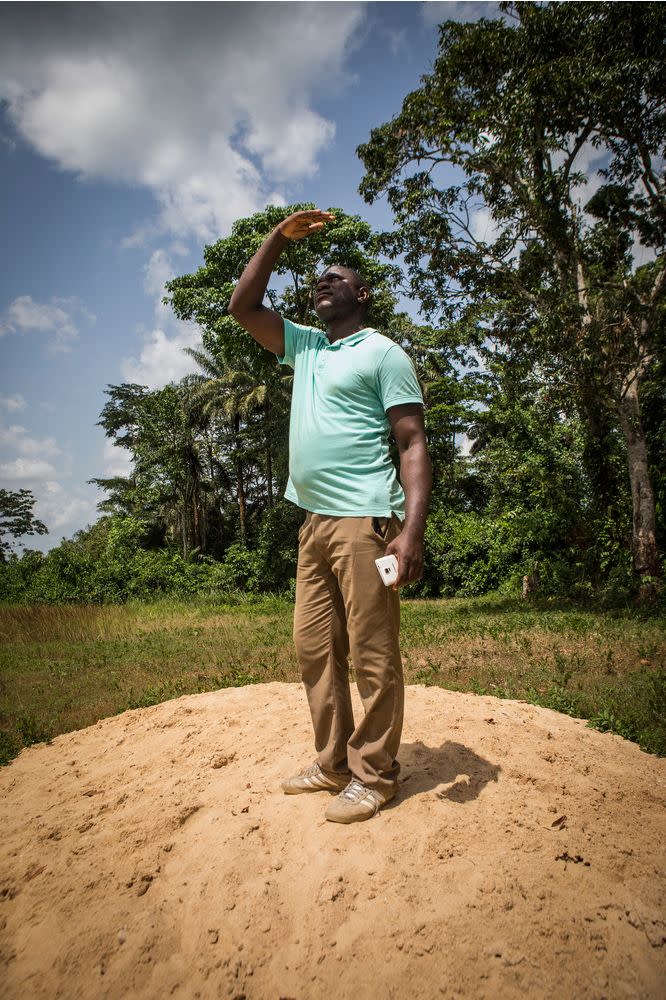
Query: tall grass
[(64, 667)]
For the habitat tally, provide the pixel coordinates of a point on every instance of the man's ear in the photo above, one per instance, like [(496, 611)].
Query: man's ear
[(363, 294)]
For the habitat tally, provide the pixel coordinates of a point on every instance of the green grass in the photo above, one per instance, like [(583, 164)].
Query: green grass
[(63, 668)]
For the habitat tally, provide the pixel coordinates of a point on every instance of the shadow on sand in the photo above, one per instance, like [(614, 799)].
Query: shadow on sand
[(461, 772)]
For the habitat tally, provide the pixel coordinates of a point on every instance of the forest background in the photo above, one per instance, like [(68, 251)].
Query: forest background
[(541, 348)]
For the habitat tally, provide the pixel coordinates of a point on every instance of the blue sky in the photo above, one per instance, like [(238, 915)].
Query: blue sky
[(130, 136)]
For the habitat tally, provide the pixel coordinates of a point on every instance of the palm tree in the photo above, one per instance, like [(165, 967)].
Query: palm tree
[(234, 393)]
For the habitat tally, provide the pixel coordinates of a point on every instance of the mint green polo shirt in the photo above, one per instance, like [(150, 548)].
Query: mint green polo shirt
[(339, 459)]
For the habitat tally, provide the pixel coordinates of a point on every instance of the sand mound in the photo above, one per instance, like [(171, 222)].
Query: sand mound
[(154, 855)]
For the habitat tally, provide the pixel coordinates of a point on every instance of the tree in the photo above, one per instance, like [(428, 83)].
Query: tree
[(204, 296), (167, 485), (233, 394), (17, 519), (243, 377), (522, 244)]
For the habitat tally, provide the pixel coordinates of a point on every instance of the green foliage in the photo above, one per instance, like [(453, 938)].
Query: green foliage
[(167, 486), (471, 554), (528, 110), (17, 518), (108, 564), (70, 573), (64, 667), (277, 546), (10, 746), (204, 296)]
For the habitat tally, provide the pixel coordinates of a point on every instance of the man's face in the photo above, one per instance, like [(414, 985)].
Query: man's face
[(338, 294)]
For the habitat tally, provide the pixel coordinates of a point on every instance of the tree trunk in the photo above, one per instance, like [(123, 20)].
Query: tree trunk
[(596, 450), (269, 454), (196, 520), (215, 484), (203, 527), (645, 552), (184, 532), (240, 488), (240, 493)]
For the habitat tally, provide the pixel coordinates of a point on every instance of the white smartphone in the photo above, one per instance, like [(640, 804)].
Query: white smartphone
[(387, 567)]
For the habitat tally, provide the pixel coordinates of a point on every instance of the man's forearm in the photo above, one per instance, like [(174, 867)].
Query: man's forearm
[(416, 479), (249, 292)]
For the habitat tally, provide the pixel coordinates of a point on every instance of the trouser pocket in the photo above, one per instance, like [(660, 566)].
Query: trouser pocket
[(304, 525), (380, 525)]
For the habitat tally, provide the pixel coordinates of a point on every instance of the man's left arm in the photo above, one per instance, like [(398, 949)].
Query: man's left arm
[(416, 478)]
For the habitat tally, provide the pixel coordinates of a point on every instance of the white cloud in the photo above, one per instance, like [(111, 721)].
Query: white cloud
[(24, 315), (64, 512), (464, 444), (117, 461), (157, 272), (208, 106), (29, 469), (12, 403), (275, 141), (483, 227), (162, 358), (16, 437), (62, 508), (436, 11), (397, 40)]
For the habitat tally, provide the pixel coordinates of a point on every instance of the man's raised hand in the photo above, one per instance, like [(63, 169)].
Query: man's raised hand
[(301, 224), (246, 303)]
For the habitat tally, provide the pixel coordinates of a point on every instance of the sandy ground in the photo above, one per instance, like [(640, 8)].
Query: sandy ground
[(154, 855)]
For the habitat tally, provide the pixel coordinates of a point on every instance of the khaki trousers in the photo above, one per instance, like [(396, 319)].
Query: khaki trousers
[(343, 607)]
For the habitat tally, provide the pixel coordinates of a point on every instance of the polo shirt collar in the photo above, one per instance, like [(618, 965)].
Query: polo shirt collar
[(349, 341)]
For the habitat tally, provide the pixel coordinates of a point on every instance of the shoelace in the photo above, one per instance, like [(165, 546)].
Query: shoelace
[(355, 790), (311, 772)]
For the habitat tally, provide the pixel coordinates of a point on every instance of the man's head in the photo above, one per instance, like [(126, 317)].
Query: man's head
[(340, 292)]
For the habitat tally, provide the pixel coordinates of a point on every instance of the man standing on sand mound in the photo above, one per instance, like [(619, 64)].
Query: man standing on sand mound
[(351, 387)]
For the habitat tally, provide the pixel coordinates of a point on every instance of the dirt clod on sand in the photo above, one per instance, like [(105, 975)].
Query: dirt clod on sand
[(154, 855)]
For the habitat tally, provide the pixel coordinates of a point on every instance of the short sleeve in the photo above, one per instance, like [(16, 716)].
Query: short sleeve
[(288, 357), (297, 339), (396, 379)]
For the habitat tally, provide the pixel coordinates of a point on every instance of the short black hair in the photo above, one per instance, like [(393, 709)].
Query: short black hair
[(360, 280), (362, 283), (359, 277)]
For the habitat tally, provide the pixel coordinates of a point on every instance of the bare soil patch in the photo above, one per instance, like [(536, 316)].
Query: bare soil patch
[(154, 855)]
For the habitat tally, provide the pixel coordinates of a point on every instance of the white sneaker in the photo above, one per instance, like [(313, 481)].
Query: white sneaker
[(313, 779), (357, 802)]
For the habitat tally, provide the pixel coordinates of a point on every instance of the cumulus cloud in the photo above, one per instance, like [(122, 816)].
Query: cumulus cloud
[(436, 11), (12, 403), (24, 464), (24, 459), (117, 461), (482, 226), (162, 357), (210, 107), (464, 444), (16, 438), (63, 510), (26, 469), (56, 317)]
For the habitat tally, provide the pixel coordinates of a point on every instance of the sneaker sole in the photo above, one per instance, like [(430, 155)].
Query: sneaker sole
[(347, 818), (322, 788)]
